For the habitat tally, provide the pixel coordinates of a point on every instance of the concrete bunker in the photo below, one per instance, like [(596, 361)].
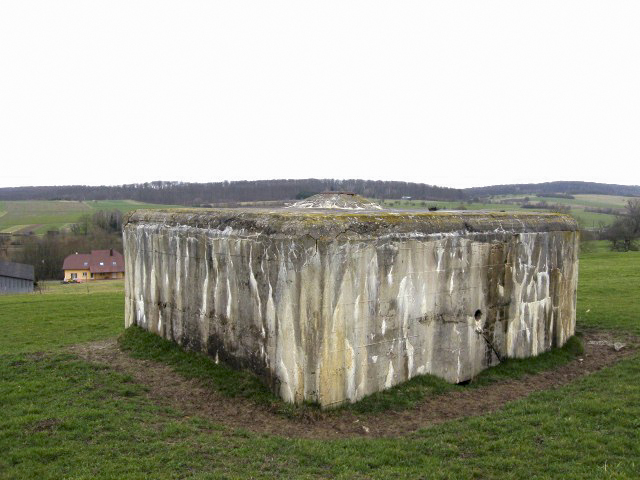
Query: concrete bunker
[(334, 298)]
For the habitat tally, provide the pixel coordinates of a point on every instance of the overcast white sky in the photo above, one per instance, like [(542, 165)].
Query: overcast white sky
[(451, 93)]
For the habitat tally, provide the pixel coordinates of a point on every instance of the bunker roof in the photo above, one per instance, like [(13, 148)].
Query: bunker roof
[(330, 215)]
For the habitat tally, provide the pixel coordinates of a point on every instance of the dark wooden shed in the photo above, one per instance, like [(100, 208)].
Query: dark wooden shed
[(16, 277)]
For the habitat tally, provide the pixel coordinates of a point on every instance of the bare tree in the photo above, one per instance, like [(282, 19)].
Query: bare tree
[(625, 231), (4, 245)]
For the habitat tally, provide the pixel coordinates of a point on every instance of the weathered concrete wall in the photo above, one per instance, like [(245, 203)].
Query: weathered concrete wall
[(330, 308)]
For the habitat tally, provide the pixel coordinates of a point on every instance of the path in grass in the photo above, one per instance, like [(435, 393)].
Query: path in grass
[(168, 388)]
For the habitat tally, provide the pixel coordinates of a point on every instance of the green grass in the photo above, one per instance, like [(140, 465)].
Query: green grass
[(142, 344), (591, 219), (578, 205), (98, 286), (599, 201), (13, 228), (44, 215), (580, 201), (519, 367), (35, 322), (442, 205), (609, 294), (64, 418), (232, 383)]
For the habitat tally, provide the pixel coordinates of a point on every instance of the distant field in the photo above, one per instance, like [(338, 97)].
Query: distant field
[(442, 205), (39, 216), (597, 201), (580, 203), (577, 204), (14, 228)]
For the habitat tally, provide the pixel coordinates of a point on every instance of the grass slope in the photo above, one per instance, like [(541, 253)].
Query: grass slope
[(609, 294), (577, 204), (64, 418), (43, 215), (57, 287), (35, 322)]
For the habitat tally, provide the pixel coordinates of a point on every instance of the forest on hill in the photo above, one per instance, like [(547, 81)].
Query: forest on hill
[(183, 193), (186, 193), (569, 188)]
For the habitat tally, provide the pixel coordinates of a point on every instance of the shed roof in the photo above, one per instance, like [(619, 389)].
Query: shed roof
[(98, 261), (16, 270)]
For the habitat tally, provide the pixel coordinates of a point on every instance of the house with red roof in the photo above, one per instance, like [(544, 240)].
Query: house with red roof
[(97, 265)]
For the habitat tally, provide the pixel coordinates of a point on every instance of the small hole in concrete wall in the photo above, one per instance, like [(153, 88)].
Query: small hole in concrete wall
[(478, 314)]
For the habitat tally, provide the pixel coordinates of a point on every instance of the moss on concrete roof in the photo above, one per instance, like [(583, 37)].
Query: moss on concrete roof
[(332, 223)]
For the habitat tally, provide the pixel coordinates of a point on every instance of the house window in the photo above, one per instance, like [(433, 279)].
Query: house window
[(74, 276), (86, 264), (84, 274), (92, 275), (102, 264), (113, 263)]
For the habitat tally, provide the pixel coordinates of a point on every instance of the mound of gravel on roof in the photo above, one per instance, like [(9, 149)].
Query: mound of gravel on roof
[(338, 200)]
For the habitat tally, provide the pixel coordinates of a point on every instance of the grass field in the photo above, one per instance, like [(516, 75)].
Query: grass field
[(581, 201), (65, 418), (577, 204), (41, 216), (57, 287)]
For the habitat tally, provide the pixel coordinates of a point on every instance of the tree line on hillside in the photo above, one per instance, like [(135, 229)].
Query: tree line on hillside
[(184, 193), (556, 189)]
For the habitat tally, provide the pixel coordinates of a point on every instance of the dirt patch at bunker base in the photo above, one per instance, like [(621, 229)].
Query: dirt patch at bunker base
[(193, 398)]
